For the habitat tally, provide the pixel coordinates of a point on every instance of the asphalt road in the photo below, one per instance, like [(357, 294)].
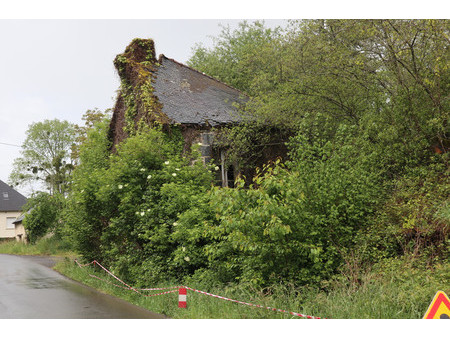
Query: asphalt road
[(29, 288)]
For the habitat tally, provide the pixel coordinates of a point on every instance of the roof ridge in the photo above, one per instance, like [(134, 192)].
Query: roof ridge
[(10, 188), (197, 71)]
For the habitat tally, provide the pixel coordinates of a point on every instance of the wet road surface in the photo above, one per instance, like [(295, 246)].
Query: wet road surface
[(29, 288)]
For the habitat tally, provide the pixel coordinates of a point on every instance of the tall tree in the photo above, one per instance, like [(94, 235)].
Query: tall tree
[(389, 78), (240, 57), (46, 156), (91, 118)]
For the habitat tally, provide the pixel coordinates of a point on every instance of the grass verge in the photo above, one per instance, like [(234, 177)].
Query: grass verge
[(44, 247), (199, 306), (397, 289)]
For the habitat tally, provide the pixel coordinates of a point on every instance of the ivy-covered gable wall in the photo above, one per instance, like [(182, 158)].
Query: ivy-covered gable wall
[(136, 103)]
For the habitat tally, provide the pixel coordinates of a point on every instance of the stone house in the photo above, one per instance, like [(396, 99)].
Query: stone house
[(11, 203), (173, 94)]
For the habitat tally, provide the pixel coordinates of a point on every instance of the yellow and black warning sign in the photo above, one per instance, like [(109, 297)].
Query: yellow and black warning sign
[(439, 307)]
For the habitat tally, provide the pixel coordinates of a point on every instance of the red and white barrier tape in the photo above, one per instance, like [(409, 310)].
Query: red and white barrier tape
[(249, 304), (108, 282), (110, 273), (127, 286), (137, 290), (83, 265), (182, 294), (152, 289), (158, 294)]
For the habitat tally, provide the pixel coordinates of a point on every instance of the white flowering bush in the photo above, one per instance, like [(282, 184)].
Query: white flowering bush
[(141, 192)]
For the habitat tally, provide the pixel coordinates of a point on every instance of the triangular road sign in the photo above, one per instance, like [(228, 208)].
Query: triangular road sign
[(439, 307)]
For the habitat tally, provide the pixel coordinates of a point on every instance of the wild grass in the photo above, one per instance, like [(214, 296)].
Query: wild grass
[(44, 247)]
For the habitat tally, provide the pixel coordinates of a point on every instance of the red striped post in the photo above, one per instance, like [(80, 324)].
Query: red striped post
[(182, 295)]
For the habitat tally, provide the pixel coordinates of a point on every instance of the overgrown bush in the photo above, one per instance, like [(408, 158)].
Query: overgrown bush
[(294, 224), (43, 215), (149, 184), (415, 219), (84, 218), (130, 202)]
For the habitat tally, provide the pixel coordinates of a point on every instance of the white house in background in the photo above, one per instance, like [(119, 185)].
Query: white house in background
[(11, 203)]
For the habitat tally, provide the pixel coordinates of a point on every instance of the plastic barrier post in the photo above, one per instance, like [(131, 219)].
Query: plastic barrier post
[(182, 295)]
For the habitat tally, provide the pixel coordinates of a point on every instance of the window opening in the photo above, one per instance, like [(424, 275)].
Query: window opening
[(9, 222), (227, 172), (230, 176)]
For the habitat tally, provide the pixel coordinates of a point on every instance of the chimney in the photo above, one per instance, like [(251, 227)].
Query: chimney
[(138, 51)]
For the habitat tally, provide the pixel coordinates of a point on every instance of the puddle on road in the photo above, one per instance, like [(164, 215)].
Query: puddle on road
[(41, 283), (36, 277)]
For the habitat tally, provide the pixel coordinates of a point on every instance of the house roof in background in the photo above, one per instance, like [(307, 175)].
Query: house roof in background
[(21, 217), (191, 97), (10, 199)]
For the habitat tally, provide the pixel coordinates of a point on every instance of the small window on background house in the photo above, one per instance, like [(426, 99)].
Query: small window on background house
[(9, 222), (5, 196)]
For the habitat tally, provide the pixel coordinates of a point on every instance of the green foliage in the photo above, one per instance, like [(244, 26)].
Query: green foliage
[(136, 68), (91, 118), (293, 224), (388, 77), (46, 156), (42, 215), (124, 211), (83, 216), (414, 220), (368, 101), (149, 183), (393, 288), (233, 59), (363, 108), (252, 144)]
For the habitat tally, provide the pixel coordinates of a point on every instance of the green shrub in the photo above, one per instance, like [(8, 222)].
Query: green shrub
[(415, 219), (130, 202), (43, 215), (294, 224), (84, 218)]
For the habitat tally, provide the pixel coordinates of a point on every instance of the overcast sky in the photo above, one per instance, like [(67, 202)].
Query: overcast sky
[(60, 68)]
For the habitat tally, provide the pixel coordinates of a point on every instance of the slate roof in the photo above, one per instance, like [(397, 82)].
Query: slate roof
[(10, 199), (191, 97)]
